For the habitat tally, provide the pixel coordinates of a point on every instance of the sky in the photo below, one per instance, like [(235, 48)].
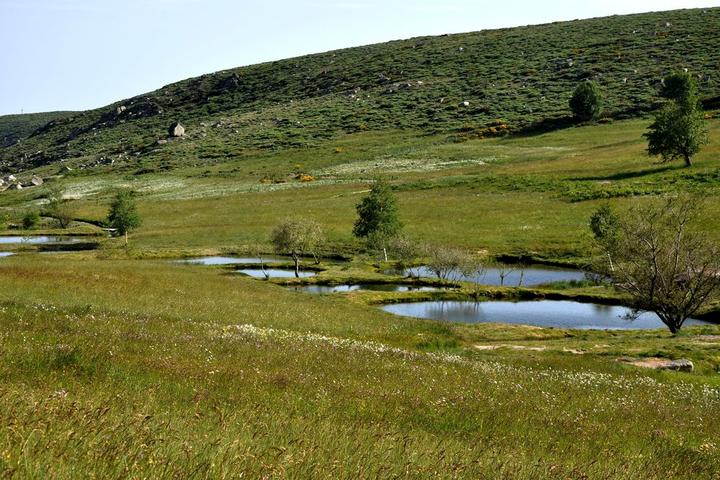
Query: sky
[(82, 54)]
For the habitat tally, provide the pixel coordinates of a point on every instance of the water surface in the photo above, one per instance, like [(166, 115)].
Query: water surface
[(6, 254), (38, 239), (233, 260), (373, 287), (545, 313), (513, 276), (274, 273)]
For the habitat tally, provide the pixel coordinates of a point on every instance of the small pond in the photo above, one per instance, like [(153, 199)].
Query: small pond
[(545, 313), (37, 240), (5, 254), (373, 287), (233, 260), (513, 275), (274, 273)]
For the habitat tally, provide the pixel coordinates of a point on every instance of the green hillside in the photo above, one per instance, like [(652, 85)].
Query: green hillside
[(17, 127), (457, 85)]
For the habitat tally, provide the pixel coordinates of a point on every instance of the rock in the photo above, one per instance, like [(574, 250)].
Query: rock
[(162, 141), (11, 178), (16, 186), (176, 130), (120, 109), (464, 104), (37, 181), (681, 365)]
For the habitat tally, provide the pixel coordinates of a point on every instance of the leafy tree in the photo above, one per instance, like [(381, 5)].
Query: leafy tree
[(59, 208), (586, 101), (30, 220), (605, 226), (666, 266), (378, 220), (679, 129), (123, 215), (297, 237)]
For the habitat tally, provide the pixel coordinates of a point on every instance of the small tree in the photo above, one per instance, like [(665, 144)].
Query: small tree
[(605, 226), (123, 215), (297, 237), (679, 129), (404, 250), (30, 220), (586, 101), (449, 263), (59, 208), (666, 266), (378, 220)]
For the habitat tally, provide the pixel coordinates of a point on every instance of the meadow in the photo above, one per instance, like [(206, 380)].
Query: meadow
[(120, 363)]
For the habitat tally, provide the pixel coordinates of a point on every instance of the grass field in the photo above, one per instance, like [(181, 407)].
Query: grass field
[(118, 365)]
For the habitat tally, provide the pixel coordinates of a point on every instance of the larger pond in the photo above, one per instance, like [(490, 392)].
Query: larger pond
[(5, 254), (233, 260), (38, 240), (544, 313), (510, 276)]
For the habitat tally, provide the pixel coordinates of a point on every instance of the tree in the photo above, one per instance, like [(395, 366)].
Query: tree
[(679, 129), (666, 266), (58, 207), (586, 101), (297, 237), (378, 220), (30, 220), (605, 225), (449, 263), (123, 215)]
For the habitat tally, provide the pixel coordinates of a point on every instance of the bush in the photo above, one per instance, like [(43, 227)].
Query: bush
[(586, 101), (30, 220)]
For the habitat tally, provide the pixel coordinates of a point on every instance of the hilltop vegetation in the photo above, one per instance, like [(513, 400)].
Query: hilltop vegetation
[(462, 86), (14, 128)]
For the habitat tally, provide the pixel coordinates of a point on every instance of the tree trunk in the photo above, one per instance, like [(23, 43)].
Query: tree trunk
[(296, 259), (385, 253), (126, 239), (688, 160)]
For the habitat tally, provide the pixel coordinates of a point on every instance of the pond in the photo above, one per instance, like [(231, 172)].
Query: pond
[(274, 273), (373, 287), (5, 254), (513, 275), (37, 240), (544, 313), (233, 260)]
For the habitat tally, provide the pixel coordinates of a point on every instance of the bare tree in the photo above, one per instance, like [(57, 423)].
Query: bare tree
[(665, 265), (448, 263), (504, 270), (297, 237)]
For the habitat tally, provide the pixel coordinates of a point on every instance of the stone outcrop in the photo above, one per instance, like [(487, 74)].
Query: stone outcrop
[(176, 130)]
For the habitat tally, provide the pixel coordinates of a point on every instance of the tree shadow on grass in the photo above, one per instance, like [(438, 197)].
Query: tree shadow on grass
[(633, 174)]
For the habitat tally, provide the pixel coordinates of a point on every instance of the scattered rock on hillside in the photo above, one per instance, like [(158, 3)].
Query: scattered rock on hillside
[(464, 104), (176, 130), (36, 181)]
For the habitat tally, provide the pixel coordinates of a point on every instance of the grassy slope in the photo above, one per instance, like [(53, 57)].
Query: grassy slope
[(522, 75), (123, 368), (17, 127)]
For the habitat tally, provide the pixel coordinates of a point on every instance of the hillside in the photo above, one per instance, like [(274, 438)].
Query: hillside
[(16, 127), (460, 85)]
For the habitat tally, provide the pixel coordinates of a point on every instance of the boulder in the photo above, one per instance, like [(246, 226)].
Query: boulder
[(176, 130), (680, 365), (37, 181), (464, 104)]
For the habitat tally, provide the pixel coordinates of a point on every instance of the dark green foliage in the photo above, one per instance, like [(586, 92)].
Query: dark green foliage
[(123, 216), (523, 75), (30, 220), (679, 129), (604, 224), (680, 87), (378, 213), (586, 101)]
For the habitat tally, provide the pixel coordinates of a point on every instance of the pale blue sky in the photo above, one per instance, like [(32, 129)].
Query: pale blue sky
[(80, 54)]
